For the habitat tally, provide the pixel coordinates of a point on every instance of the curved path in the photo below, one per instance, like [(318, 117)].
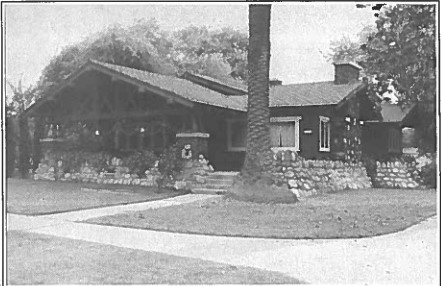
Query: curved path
[(407, 257)]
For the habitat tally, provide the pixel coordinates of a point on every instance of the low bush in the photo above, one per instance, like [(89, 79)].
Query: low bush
[(170, 165), (427, 170), (73, 160), (140, 161)]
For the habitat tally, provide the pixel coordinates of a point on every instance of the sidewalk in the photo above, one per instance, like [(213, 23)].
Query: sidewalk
[(407, 257), (112, 210)]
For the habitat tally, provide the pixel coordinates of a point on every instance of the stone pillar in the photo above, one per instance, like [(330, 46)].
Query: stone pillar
[(198, 142), (49, 149)]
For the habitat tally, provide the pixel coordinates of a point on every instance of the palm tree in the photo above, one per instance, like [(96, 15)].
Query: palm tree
[(258, 155)]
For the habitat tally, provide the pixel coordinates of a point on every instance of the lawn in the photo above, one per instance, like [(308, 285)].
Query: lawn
[(42, 197), (358, 213), (42, 259)]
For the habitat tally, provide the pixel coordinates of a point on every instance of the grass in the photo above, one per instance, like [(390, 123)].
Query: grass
[(42, 259), (42, 197), (349, 214)]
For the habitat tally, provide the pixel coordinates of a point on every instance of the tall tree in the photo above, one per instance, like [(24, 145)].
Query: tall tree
[(402, 53), (138, 46), (17, 128), (217, 53), (258, 155)]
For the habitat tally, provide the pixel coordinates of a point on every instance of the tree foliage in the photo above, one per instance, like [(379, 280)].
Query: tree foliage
[(214, 53), (21, 98), (146, 46), (17, 129), (400, 52)]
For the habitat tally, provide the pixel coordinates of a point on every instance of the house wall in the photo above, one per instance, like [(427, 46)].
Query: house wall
[(215, 123), (376, 139), (223, 159), (309, 142)]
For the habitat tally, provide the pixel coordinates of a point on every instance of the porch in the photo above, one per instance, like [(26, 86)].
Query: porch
[(97, 110)]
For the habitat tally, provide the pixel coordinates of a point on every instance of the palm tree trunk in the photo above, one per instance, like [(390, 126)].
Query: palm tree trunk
[(258, 154)]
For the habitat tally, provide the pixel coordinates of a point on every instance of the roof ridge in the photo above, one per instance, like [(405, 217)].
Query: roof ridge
[(126, 67)]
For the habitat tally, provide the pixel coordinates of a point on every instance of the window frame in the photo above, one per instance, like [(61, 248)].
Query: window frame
[(327, 120), (230, 122), (285, 119)]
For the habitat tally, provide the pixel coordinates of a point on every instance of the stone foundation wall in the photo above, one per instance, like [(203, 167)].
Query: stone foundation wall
[(396, 175), (87, 174), (311, 177), (193, 174)]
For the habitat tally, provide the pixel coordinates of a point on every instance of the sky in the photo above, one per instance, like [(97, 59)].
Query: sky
[(36, 32)]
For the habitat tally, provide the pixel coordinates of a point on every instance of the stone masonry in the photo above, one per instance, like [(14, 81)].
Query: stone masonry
[(396, 175), (311, 177)]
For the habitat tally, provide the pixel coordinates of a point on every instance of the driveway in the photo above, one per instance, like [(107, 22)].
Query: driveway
[(406, 257)]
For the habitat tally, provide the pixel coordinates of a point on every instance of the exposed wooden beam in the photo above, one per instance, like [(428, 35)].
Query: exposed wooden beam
[(153, 89), (139, 114)]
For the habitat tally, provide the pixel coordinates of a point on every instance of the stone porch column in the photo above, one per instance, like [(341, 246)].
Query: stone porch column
[(198, 142)]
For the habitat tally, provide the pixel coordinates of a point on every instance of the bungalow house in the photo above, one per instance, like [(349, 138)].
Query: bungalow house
[(129, 109)]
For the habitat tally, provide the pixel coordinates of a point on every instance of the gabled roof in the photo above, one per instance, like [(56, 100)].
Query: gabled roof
[(306, 94), (180, 87), (227, 86), (303, 94), (189, 91)]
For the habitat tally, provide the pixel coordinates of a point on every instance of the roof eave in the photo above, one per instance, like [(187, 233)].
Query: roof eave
[(234, 90), (93, 65), (351, 94)]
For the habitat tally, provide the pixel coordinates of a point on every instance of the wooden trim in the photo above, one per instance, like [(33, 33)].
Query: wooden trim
[(193, 135), (143, 85), (114, 77), (150, 113), (328, 139), (284, 119)]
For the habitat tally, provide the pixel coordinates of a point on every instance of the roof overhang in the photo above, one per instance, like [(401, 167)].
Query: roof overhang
[(351, 95), (214, 84), (91, 65)]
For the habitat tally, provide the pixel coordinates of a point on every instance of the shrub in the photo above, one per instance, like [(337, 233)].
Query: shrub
[(170, 165), (140, 161), (427, 170), (74, 159), (97, 160)]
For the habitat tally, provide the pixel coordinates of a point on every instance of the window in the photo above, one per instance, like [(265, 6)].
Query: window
[(284, 133), (394, 140), (324, 134), (236, 135)]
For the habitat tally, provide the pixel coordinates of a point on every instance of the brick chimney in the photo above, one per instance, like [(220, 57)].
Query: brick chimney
[(346, 72)]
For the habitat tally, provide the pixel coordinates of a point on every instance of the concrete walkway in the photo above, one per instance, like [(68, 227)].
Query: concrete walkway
[(407, 257), (112, 210)]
